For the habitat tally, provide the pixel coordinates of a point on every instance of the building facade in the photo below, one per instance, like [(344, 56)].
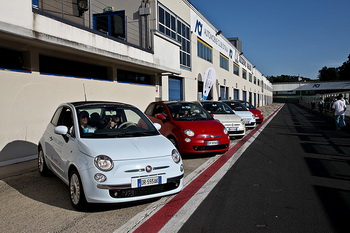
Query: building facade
[(55, 51)]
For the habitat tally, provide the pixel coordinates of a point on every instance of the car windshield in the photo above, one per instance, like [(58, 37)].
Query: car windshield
[(188, 112), (111, 120), (237, 106), (217, 108), (248, 105)]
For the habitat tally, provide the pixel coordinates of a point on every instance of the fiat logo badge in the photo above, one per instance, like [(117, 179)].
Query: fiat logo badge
[(148, 168)]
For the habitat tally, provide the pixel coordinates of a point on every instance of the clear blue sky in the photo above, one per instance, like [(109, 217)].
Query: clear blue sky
[(292, 37)]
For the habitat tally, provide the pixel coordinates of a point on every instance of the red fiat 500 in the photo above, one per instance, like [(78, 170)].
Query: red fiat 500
[(189, 127)]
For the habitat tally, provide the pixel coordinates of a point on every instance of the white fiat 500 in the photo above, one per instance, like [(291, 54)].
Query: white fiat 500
[(109, 153), (241, 110), (224, 114)]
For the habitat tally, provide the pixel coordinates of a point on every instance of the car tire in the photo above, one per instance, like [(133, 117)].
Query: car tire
[(42, 166), (173, 141), (76, 191)]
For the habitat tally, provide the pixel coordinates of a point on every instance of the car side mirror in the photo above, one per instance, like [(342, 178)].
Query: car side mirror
[(160, 116), (61, 130), (157, 125)]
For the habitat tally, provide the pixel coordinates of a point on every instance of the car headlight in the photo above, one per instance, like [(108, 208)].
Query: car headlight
[(225, 130), (189, 132), (103, 162), (175, 155)]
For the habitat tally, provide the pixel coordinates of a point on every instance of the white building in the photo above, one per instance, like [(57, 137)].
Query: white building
[(54, 51)]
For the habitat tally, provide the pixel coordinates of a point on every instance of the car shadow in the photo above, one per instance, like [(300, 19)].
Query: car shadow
[(51, 190)]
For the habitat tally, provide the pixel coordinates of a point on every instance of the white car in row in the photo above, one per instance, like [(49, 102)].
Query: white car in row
[(242, 111), (224, 114), (109, 153)]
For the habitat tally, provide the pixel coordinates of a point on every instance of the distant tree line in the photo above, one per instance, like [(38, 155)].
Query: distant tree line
[(335, 74), (325, 74), (286, 78)]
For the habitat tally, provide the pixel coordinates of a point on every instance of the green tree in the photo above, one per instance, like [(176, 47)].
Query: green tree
[(344, 70), (286, 78), (328, 74)]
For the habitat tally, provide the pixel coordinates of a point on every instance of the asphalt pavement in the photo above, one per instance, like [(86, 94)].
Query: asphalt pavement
[(294, 177)]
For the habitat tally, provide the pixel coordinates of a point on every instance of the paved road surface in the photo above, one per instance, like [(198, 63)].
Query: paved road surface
[(295, 177)]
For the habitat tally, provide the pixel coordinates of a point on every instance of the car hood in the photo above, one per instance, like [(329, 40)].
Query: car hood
[(127, 148), (244, 113), (255, 111), (228, 118), (209, 126)]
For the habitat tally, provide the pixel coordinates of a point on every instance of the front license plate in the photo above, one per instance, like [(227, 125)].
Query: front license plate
[(232, 129), (143, 182), (212, 143)]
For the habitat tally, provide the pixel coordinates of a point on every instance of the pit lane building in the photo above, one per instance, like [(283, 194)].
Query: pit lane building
[(54, 51)]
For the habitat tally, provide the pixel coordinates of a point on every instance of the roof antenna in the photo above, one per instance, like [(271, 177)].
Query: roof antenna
[(84, 92)]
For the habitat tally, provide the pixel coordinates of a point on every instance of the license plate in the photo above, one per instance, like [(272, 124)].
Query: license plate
[(232, 129), (212, 143), (143, 182)]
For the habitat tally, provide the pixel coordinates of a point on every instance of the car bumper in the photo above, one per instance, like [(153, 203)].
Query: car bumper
[(122, 184), (202, 146), (250, 125)]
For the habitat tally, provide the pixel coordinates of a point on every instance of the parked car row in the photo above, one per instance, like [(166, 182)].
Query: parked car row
[(109, 152)]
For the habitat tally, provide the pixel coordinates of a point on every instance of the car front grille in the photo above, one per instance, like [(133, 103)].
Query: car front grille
[(236, 132), (209, 148), (173, 183)]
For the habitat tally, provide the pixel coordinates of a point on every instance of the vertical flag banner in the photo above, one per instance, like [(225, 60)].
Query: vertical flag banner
[(209, 80)]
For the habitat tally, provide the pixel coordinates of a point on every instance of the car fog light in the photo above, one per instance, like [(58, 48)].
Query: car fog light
[(181, 168), (187, 139), (100, 177)]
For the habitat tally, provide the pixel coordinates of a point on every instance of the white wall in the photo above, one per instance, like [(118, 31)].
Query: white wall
[(28, 101)]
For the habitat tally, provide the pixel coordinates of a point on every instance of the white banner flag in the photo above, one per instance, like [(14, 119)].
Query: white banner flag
[(209, 80)]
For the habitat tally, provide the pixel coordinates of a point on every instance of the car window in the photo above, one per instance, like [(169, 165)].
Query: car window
[(149, 110), (113, 121), (56, 116), (66, 118), (217, 108), (237, 106), (188, 112)]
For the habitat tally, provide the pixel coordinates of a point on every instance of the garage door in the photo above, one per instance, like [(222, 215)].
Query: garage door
[(175, 89)]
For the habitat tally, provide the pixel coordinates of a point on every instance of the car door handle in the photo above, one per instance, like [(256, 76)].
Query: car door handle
[(50, 138)]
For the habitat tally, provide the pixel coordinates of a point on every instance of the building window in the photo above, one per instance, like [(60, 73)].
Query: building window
[(134, 77), (250, 78), (223, 61), (183, 37), (70, 68), (111, 23), (236, 69), (244, 74), (167, 23), (172, 26), (254, 80), (12, 59), (204, 50)]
